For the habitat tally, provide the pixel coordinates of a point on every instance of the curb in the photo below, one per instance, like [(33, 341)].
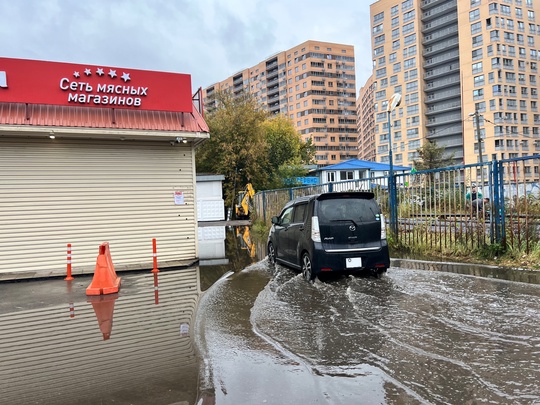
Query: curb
[(471, 269)]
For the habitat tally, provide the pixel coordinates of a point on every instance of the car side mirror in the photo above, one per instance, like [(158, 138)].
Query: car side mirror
[(275, 220)]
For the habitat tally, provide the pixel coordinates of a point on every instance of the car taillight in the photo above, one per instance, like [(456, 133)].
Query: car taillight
[(315, 232), (383, 227)]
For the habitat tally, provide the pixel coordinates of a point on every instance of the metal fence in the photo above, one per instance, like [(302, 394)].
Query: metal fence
[(435, 212)]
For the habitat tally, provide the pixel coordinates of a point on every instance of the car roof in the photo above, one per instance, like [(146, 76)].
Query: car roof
[(366, 195)]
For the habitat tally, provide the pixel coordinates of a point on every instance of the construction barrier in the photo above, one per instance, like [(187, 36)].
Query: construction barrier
[(105, 280)]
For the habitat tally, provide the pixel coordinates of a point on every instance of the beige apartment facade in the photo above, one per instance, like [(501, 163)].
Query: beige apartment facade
[(366, 124), (454, 61), (314, 85)]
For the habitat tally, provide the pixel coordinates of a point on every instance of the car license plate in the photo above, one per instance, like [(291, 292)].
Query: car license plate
[(353, 262)]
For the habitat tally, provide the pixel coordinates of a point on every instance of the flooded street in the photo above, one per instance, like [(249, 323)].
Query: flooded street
[(235, 330), (410, 337)]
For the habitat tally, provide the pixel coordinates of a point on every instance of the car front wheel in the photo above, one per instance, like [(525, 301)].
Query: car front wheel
[(271, 253), (307, 270)]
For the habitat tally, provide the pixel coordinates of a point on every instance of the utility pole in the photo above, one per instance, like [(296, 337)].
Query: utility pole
[(479, 136), (394, 102)]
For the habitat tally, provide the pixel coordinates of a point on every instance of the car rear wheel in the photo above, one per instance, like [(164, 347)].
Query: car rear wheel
[(307, 270), (271, 253)]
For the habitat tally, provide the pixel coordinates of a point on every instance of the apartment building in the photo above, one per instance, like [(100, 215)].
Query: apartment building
[(366, 124), (454, 61), (312, 83)]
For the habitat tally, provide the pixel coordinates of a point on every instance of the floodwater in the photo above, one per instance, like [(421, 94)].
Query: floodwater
[(412, 337), (236, 330)]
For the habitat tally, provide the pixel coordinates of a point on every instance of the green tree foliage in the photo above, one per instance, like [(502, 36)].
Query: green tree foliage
[(236, 147), (287, 152), (247, 145), (432, 157)]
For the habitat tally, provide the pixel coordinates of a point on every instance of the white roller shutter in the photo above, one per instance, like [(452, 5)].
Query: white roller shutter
[(85, 192)]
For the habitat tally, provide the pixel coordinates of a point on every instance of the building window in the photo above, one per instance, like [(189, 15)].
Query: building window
[(474, 14), (410, 39), (330, 177), (346, 175), (477, 40), (408, 28)]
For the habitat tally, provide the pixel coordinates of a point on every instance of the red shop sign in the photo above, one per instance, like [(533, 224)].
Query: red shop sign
[(68, 84)]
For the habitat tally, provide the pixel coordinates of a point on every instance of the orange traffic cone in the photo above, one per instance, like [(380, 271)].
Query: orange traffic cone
[(104, 308), (105, 280)]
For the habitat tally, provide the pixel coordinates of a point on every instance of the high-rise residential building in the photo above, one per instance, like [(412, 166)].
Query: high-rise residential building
[(312, 83), (457, 63), (366, 124)]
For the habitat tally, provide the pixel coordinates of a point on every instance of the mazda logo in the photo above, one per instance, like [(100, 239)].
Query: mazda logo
[(352, 228)]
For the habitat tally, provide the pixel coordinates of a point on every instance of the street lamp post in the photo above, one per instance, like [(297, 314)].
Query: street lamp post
[(394, 101)]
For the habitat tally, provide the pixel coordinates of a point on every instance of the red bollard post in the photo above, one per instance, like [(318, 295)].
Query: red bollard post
[(69, 277), (154, 248)]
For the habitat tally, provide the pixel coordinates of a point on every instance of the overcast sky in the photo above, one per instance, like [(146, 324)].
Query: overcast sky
[(208, 39)]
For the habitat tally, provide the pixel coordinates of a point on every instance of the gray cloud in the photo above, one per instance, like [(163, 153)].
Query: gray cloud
[(209, 39)]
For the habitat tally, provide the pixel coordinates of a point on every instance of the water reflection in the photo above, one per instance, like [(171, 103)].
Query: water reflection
[(239, 251), (411, 337), (104, 308), (51, 356)]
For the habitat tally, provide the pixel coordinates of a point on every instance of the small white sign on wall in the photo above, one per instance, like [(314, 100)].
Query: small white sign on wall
[(179, 198)]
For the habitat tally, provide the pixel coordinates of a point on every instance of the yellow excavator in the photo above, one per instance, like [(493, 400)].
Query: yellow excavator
[(243, 232), (244, 206)]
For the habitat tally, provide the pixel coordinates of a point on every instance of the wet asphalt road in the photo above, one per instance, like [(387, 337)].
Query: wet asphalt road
[(412, 337), (262, 335)]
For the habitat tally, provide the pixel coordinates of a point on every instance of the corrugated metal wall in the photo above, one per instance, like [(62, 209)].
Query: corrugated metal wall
[(85, 192)]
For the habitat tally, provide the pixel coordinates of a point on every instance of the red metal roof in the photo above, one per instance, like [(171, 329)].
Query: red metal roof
[(84, 117)]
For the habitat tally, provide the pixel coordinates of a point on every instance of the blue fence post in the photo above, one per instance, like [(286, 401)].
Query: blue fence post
[(330, 187), (497, 212), (502, 211)]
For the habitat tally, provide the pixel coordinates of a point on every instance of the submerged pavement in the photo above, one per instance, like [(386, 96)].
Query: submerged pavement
[(59, 346)]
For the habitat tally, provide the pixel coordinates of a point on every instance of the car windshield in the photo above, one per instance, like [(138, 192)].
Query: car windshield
[(355, 209)]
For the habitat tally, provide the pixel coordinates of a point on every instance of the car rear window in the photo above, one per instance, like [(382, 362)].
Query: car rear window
[(356, 209)]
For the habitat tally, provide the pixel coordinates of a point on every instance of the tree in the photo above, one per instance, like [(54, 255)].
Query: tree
[(237, 146), (247, 145), (432, 157), (287, 152)]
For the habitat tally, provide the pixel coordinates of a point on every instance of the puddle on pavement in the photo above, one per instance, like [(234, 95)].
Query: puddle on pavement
[(59, 346)]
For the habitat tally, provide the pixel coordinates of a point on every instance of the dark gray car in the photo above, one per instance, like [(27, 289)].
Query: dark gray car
[(330, 233)]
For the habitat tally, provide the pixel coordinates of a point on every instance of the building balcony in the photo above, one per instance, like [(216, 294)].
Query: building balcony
[(443, 95), (445, 58), (438, 35), (437, 11), (443, 83), (441, 46), (443, 107), (437, 24)]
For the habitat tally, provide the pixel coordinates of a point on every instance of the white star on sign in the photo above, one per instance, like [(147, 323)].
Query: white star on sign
[(125, 76), (76, 74), (87, 72), (99, 71), (112, 73)]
